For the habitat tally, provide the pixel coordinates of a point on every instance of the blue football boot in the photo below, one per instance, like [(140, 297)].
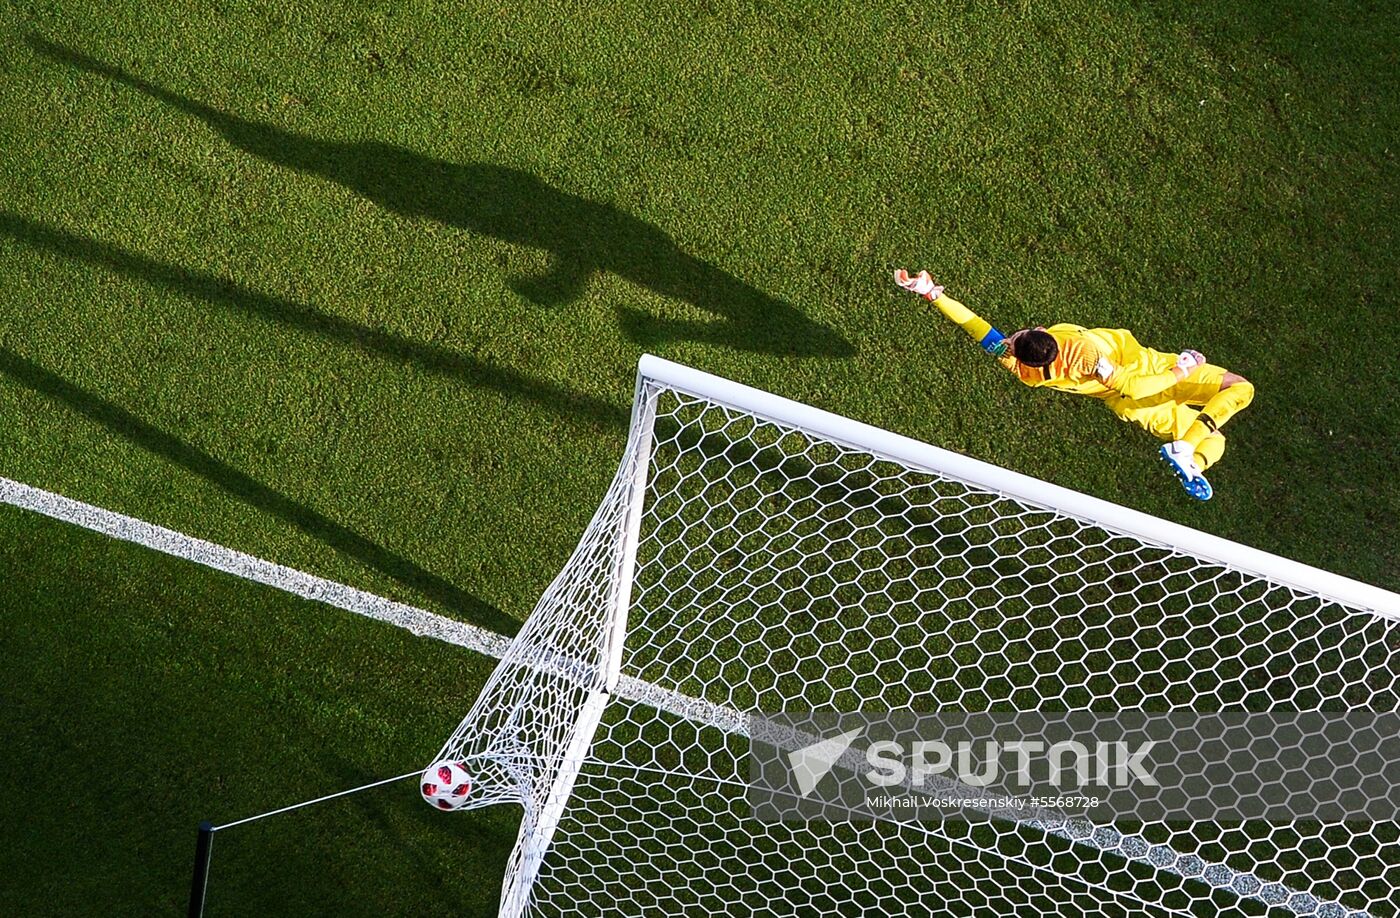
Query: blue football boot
[(1179, 455)]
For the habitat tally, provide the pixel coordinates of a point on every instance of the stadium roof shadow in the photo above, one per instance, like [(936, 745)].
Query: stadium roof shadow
[(581, 236), (244, 487)]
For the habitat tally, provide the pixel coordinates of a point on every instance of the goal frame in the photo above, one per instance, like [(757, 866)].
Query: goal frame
[(1086, 508), (622, 510)]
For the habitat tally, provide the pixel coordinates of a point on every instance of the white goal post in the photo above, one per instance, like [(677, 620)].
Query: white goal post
[(756, 555)]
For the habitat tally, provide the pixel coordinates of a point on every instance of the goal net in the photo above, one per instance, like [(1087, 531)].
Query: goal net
[(754, 555)]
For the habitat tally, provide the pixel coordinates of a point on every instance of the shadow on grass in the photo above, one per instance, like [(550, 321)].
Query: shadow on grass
[(581, 236), (234, 729), (254, 493), (225, 293)]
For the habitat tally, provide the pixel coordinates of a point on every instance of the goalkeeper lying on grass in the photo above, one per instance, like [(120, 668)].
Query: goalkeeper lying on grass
[(1178, 397)]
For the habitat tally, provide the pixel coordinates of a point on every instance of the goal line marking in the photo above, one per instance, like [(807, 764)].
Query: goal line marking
[(220, 558), (330, 592)]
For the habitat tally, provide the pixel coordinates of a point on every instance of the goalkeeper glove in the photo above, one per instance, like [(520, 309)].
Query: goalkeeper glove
[(919, 283), (1188, 360), (988, 338)]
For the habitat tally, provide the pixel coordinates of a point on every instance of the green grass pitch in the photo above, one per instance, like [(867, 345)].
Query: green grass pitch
[(361, 289)]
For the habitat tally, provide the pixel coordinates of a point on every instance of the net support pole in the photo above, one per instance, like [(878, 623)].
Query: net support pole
[(536, 839), (203, 848), (643, 417), (204, 844)]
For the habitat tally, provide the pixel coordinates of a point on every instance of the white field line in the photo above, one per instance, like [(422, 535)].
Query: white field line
[(308, 586), (428, 624), (287, 579)]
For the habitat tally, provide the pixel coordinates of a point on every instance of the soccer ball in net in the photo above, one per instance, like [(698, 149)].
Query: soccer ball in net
[(446, 785)]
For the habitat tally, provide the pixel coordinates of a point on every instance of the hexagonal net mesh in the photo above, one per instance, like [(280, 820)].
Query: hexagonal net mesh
[(745, 562)]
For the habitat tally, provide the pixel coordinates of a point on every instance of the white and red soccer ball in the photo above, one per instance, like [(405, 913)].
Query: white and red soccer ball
[(446, 785)]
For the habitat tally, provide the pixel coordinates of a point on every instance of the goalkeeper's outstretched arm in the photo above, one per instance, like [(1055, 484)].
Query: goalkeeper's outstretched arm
[(979, 329)]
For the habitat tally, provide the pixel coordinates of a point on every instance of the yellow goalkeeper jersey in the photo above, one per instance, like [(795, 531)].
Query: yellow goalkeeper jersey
[(1099, 362)]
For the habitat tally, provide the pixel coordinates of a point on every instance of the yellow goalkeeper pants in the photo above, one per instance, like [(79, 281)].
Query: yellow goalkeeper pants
[(1193, 410)]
